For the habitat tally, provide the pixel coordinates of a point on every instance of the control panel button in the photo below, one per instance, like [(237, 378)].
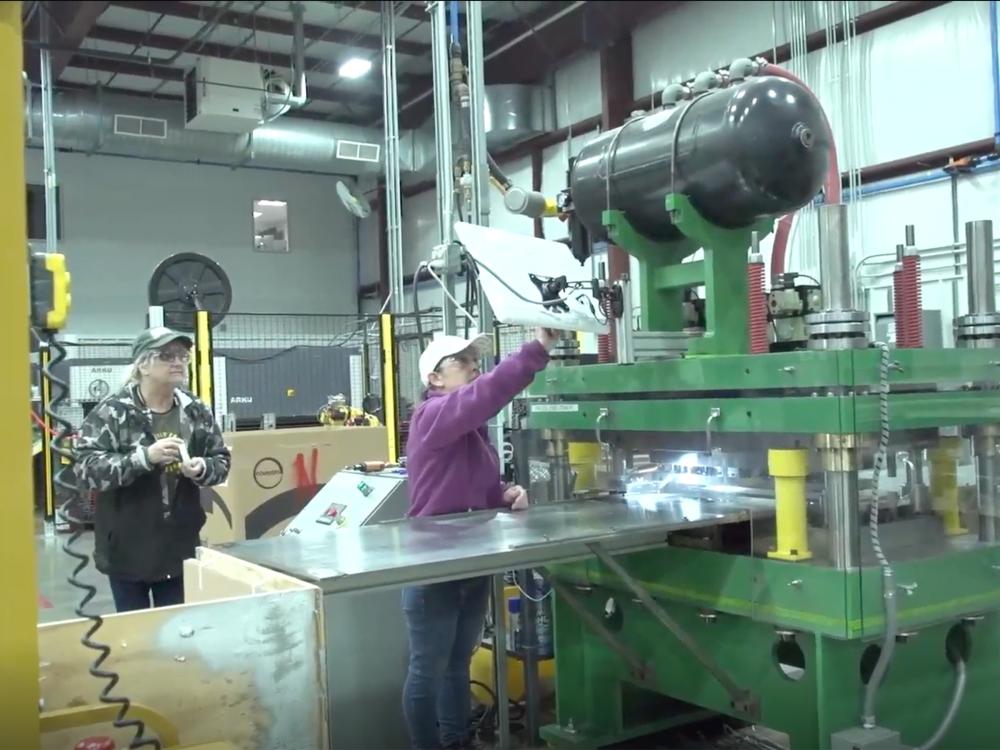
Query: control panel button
[(365, 489)]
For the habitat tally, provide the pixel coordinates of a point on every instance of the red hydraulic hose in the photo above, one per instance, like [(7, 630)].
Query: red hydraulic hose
[(831, 188)]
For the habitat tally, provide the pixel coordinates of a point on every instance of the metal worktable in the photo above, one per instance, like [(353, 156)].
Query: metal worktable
[(427, 550), (361, 569)]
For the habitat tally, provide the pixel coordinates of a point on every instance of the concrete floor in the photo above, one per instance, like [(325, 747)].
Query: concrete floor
[(57, 599)]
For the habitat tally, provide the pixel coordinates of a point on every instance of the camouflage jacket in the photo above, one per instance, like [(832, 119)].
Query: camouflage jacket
[(142, 531)]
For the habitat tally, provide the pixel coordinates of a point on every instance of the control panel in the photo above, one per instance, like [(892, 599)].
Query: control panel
[(351, 499)]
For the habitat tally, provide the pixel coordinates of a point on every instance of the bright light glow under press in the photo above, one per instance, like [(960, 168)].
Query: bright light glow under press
[(354, 68), (271, 203)]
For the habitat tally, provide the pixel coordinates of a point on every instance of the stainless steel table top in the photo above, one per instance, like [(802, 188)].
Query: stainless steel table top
[(426, 550)]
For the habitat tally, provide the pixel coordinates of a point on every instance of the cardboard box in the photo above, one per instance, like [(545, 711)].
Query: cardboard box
[(276, 472)]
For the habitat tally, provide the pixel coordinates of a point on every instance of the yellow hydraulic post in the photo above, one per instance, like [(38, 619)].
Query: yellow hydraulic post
[(789, 469), (18, 634), (583, 460), (944, 484)]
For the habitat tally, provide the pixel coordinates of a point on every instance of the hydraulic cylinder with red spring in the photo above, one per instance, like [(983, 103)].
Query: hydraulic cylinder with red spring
[(908, 303), (757, 302)]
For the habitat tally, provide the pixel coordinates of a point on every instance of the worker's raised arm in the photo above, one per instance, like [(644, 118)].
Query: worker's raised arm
[(445, 417)]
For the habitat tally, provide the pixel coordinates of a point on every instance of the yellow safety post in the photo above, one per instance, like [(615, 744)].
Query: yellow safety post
[(944, 484), (789, 469), (18, 634), (202, 360), (389, 404)]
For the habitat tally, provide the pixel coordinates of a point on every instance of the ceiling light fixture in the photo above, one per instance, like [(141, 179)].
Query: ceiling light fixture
[(354, 68)]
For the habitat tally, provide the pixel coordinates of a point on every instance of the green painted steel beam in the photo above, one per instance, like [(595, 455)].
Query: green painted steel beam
[(790, 414), (805, 596), (798, 415), (789, 370), (680, 276)]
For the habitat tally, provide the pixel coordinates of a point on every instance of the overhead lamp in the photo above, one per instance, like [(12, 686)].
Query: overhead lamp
[(354, 68)]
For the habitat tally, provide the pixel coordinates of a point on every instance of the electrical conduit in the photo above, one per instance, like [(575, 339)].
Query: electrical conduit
[(453, 22), (995, 69)]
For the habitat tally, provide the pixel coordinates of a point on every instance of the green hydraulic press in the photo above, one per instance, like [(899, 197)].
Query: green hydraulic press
[(856, 602)]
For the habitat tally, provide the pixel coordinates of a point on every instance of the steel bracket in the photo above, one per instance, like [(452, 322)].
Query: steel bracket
[(742, 700), (641, 670)]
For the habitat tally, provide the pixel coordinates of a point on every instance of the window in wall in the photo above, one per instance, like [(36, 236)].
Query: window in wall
[(270, 226)]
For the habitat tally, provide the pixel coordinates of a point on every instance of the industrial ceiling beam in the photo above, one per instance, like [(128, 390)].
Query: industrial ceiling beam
[(524, 50), (413, 11), (270, 25), (213, 49), (68, 24)]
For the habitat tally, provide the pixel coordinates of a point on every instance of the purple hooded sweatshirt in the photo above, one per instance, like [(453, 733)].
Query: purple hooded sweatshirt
[(450, 463)]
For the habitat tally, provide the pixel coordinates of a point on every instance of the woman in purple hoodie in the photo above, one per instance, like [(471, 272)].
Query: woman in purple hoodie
[(453, 468)]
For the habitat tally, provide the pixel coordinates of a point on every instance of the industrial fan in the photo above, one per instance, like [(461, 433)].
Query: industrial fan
[(185, 283), (353, 201)]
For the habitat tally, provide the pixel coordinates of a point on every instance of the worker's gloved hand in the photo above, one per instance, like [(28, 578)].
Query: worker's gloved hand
[(516, 497), (194, 468), (547, 337), (165, 451)]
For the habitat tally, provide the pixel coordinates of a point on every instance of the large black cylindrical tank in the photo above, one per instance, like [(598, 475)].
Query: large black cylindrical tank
[(749, 151)]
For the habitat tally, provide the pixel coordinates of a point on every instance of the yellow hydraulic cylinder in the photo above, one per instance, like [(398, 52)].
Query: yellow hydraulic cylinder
[(789, 469), (944, 484), (18, 632), (583, 460)]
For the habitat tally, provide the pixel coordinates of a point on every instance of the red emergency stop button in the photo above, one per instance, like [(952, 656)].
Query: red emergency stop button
[(332, 512), (95, 743)]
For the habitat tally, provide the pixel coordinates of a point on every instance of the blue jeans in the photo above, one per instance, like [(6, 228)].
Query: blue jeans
[(445, 623), (133, 595)]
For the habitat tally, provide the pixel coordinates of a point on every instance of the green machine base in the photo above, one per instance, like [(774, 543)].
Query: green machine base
[(803, 639)]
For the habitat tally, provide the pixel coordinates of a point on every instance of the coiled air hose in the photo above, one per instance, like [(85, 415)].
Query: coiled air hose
[(77, 517), (888, 576)]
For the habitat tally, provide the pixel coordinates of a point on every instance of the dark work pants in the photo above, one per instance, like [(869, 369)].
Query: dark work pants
[(133, 595)]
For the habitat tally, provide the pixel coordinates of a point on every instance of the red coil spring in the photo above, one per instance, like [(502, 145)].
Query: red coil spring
[(908, 304), (757, 313), (605, 343)]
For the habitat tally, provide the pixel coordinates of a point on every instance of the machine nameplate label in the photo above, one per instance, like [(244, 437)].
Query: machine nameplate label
[(554, 408)]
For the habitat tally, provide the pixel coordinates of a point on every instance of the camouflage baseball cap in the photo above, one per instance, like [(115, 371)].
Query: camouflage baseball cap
[(157, 338)]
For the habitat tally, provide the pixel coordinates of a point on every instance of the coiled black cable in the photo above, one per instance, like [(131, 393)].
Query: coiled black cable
[(78, 518)]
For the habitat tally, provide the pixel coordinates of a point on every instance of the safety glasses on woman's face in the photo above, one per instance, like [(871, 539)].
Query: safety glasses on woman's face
[(463, 360), (182, 357)]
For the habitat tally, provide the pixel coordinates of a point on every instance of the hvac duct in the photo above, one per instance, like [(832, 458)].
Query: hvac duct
[(122, 125), (97, 122), (513, 113)]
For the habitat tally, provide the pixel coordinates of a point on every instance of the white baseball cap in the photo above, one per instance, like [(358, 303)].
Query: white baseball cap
[(448, 346)]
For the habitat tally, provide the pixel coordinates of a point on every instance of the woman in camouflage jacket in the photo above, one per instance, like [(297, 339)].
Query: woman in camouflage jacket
[(146, 450)]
